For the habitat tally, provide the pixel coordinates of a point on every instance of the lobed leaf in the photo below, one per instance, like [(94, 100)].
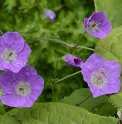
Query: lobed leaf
[(10, 4)]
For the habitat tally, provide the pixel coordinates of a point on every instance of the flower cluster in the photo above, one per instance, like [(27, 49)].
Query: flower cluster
[(20, 83), (102, 76)]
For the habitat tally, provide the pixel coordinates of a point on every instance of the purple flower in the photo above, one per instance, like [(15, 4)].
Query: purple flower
[(73, 60), (101, 76), (50, 14), (13, 52), (97, 25), (21, 89)]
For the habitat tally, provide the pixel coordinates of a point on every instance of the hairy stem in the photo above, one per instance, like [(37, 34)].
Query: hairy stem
[(67, 76), (57, 41)]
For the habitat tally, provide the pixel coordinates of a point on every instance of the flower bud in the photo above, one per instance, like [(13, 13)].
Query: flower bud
[(49, 14), (71, 60)]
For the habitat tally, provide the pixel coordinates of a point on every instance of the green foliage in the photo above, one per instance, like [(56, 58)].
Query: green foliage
[(8, 120), (111, 49), (116, 99), (113, 10), (57, 113), (111, 46), (25, 17), (94, 105), (10, 4)]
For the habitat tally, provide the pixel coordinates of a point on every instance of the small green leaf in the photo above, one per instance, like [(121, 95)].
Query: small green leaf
[(113, 10), (99, 105), (10, 4), (59, 113)]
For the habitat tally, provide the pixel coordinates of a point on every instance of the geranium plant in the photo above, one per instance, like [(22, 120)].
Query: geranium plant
[(60, 62)]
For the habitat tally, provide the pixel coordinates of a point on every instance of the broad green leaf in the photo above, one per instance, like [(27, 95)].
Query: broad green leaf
[(116, 99), (111, 49), (113, 10), (33, 121), (99, 105), (9, 120), (59, 113), (111, 46)]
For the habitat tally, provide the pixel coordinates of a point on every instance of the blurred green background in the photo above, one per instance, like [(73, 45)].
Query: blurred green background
[(25, 17)]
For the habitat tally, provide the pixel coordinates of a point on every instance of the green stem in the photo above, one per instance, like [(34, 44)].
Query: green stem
[(55, 72), (53, 80), (84, 99), (67, 76), (82, 47), (56, 41), (81, 37), (1, 32), (53, 92), (48, 39)]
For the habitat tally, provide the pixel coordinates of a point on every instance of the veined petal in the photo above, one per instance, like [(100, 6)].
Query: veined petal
[(102, 76), (21, 89), (13, 52), (97, 25)]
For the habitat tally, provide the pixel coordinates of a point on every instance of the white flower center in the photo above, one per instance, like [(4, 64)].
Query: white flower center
[(9, 55), (22, 89), (93, 26), (99, 78)]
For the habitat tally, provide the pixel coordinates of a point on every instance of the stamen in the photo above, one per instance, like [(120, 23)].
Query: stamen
[(22, 89), (93, 26), (99, 78), (9, 55)]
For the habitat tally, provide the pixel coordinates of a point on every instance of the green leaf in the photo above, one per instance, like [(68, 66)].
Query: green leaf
[(99, 105), (116, 99), (26, 5), (33, 121), (113, 10), (60, 113), (111, 46), (10, 4), (111, 49), (9, 120)]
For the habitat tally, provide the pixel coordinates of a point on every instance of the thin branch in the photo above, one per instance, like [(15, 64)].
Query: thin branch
[(57, 41), (78, 72)]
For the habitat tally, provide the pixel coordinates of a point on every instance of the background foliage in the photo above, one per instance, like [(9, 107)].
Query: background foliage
[(25, 17)]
